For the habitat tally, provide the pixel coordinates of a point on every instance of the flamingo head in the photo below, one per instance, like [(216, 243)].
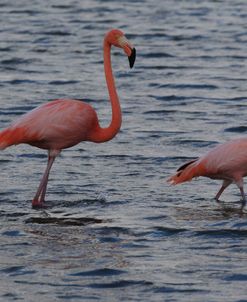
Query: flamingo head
[(117, 38)]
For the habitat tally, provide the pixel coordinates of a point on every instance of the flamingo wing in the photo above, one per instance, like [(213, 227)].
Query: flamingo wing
[(57, 125)]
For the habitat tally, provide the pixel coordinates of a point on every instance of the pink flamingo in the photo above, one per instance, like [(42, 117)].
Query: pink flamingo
[(227, 162), (64, 123)]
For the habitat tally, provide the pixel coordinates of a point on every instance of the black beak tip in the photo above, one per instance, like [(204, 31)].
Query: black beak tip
[(132, 57)]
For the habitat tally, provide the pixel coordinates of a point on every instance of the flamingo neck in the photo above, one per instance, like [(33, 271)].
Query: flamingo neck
[(106, 134)]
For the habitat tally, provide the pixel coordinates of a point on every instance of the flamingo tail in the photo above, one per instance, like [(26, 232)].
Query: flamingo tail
[(186, 172)]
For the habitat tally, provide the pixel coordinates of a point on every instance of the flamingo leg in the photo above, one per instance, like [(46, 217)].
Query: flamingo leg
[(225, 184), (243, 197), (240, 185), (43, 192), (39, 197)]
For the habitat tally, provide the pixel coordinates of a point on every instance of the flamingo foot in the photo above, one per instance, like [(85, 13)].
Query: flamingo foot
[(217, 200), (243, 205), (36, 204)]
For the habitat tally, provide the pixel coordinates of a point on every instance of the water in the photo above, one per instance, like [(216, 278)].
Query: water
[(115, 230)]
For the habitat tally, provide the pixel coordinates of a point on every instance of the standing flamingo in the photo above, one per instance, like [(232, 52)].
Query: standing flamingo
[(227, 162), (64, 123)]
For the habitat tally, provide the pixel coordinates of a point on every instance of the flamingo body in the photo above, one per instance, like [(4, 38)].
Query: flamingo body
[(64, 123), (56, 125), (227, 162)]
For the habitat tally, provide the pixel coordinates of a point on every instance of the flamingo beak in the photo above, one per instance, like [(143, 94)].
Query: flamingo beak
[(132, 57), (129, 50)]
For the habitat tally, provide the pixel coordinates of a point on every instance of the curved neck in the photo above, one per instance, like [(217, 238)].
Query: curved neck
[(105, 134)]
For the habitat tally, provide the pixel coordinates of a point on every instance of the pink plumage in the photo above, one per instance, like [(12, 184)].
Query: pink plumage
[(227, 162), (57, 125)]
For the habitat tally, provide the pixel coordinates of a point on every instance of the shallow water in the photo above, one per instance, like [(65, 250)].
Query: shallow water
[(114, 229)]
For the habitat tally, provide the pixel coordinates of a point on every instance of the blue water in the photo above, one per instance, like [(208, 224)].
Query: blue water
[(114, 229)]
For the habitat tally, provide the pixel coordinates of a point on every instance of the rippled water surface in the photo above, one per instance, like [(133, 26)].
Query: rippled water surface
[(114, 229)]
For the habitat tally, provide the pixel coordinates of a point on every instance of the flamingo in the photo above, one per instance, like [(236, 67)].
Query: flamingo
[(227, 162), (63, 123)]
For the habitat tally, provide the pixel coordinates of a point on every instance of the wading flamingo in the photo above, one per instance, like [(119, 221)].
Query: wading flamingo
[(227, 162), (64, 123)]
